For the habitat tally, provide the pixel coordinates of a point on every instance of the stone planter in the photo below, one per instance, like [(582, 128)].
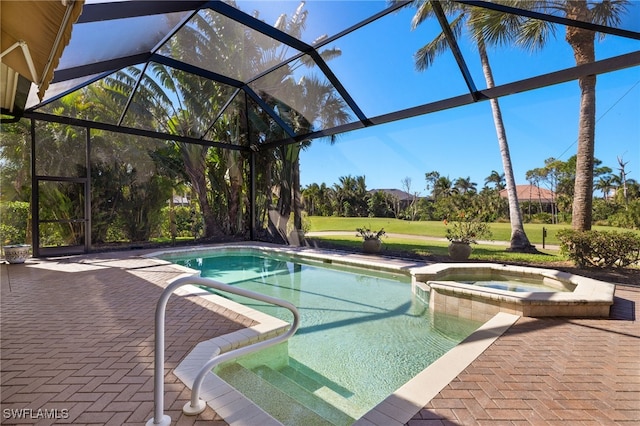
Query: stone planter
[(372, 246), (459, 251), (16, 253)]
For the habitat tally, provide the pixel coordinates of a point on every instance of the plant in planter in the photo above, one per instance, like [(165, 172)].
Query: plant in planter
[(372, 242), (13, 231), (464, 231), (16, 253)]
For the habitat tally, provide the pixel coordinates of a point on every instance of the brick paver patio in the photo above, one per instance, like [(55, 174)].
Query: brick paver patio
[(77, 337)]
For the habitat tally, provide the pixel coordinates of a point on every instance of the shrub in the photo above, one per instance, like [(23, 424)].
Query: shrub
[(628, 217), (542, 218), (601, 249), (466, 229), (14, 218)]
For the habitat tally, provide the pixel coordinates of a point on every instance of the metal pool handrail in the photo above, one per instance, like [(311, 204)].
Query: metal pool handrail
[(196, 405)]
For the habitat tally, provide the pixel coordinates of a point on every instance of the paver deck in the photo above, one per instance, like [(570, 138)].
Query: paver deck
[(77, 344)]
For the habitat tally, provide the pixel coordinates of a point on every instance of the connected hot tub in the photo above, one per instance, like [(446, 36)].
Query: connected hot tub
[(478, 291)]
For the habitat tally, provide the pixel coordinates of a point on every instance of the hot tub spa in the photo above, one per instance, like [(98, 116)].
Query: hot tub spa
[(479, 291)]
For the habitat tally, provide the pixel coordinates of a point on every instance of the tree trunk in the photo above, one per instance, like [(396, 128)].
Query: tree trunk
[(234, 165), (519, 240), (582, 42), (297, 195), (289, 189), (194, 159)]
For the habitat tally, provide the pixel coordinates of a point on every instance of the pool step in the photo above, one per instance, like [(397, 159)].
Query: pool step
[(320, 401), (318, 385), (310, 379), (294, 406)]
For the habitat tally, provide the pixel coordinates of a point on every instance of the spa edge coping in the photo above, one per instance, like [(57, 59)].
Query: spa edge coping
[(587, 290)]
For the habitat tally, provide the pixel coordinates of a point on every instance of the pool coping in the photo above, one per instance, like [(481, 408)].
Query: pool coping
[(397, 409)]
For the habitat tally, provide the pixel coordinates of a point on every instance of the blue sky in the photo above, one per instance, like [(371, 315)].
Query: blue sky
[(461, 142)]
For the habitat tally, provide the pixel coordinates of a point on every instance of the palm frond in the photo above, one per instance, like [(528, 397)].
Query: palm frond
[(534, 34), (608, 13), (426, 55), (424, 11)]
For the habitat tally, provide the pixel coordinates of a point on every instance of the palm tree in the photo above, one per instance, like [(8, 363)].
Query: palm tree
[(582, 42), (534, 33), (431, 178), (483, 29), (309, 102), (605, 184), (443, 187), (464, 185), (154, 104), (497, 179), (623, 178), (351, 196)]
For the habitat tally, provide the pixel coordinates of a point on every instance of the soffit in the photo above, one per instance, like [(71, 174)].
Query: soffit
[(33, 37)]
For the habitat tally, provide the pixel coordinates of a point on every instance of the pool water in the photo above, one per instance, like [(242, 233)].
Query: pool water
[(362, 335), (518, 287), (513, 283)]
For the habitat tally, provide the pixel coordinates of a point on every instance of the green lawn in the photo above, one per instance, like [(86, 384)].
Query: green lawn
[(483, 252), (486, 253), (500, 231)]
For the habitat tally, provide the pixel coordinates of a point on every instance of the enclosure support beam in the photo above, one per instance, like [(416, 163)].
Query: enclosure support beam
[(35, 224), (252, 195)]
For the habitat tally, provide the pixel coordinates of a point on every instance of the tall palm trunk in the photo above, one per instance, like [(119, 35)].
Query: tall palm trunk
[(582, 42), (519, 240), (288, 182), (297, 195), (236, 179), (194, 157)]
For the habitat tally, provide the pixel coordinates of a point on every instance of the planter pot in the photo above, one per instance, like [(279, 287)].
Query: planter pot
[(17, 253), (372, 246), (459, 251)]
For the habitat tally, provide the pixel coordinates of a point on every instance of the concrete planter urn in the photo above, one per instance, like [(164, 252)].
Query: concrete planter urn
[(373, 245), (459, 250), (16, 253), (371, 240)]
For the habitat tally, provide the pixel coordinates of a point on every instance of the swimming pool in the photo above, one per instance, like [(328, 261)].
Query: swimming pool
[(363, 334)]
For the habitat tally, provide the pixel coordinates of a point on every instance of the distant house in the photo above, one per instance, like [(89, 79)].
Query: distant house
[(535, 195), (180, 200)]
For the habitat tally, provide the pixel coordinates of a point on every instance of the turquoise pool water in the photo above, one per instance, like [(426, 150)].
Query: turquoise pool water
[(362, 335)]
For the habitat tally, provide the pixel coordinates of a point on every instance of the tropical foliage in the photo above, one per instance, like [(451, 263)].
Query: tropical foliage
[(366, 233), (464, 227), (618, 206), (485, 29), (600, 249), (133, 178), (142, 189)]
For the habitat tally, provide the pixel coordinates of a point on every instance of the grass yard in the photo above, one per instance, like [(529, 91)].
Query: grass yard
[(500, 231), (438, 249)]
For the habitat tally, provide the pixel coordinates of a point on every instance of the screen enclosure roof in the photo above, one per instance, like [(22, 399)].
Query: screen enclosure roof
[(250, 75)]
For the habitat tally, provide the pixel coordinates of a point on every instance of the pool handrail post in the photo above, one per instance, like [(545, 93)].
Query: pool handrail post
[(159, 418), (196, 405), (196, 402)]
